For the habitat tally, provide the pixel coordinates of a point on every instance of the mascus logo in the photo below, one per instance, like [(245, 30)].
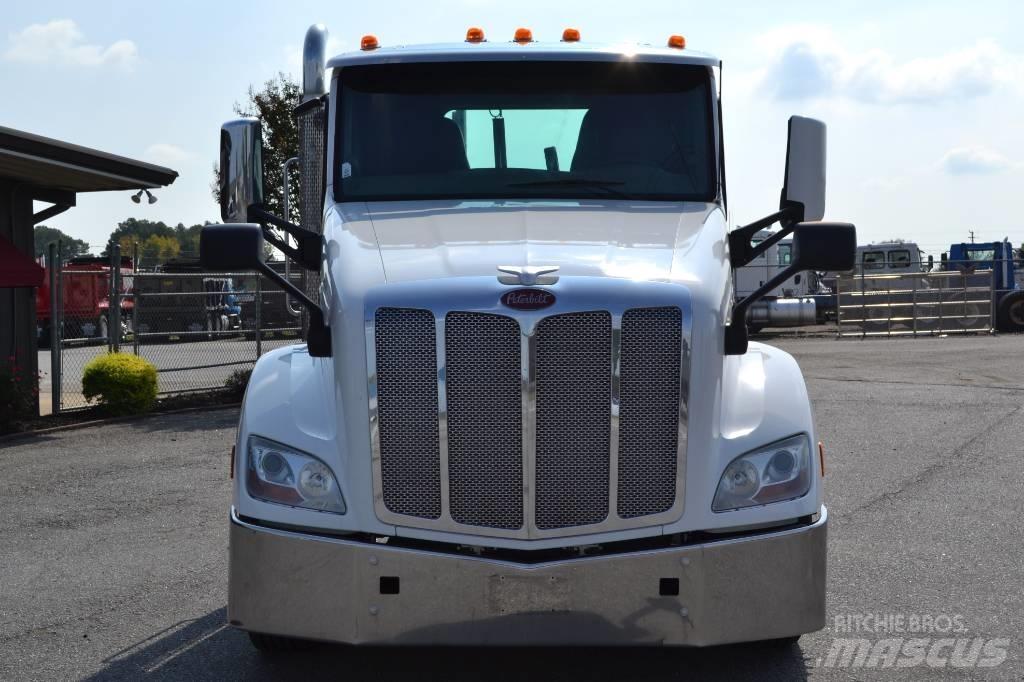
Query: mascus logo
[(528, 299)]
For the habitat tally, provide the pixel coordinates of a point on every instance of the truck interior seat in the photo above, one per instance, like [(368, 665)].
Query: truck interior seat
[(610, 137), (416, 145)]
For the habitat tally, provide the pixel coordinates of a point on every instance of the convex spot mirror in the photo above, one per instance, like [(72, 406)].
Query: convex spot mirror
[(231, 247), (241, 168), (804, 184), (824, 246)]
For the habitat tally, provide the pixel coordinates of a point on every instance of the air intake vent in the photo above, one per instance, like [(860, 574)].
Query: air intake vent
[(485, 426), (648, 410), (410, 460), (574, 355)]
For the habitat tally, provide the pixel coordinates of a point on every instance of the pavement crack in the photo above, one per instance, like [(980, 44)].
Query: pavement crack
[(1019, 389), (928, 472)]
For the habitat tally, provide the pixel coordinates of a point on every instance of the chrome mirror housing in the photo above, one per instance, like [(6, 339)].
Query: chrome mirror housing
[(241, 168)]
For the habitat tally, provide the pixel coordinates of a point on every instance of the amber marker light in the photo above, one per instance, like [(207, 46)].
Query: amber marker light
[(369, 43), (821, 457), (475, 35), (523, 35), (678, 42), (570, 35)]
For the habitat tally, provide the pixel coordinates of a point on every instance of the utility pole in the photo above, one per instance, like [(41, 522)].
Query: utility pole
[(972, 236)]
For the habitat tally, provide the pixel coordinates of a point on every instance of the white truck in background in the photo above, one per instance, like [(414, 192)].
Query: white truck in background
[(527, 411)]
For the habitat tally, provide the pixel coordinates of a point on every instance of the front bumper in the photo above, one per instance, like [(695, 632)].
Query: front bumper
[(763, 586)]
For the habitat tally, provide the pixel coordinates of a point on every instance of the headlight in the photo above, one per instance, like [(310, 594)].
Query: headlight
[(777, 472), (277, 473)]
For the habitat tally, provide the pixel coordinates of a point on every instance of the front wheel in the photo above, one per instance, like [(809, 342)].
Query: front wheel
[(102, 328), (277, 644), (1011, 312)]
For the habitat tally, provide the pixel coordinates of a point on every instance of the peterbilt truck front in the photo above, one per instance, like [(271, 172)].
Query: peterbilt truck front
[(527, 411)]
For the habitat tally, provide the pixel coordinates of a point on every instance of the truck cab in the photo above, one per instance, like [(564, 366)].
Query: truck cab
[(527, 410), (999, 259)]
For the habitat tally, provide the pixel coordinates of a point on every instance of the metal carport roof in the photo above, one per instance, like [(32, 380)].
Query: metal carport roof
[(56, 165)]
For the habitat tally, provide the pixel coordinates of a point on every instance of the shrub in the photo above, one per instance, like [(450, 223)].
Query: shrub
[(236, 383), (123, 383), (18, 392)]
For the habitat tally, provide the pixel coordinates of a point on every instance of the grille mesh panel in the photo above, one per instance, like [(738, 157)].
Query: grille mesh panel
[(484, 396), (573, 411), (407, 411), (648, 410)]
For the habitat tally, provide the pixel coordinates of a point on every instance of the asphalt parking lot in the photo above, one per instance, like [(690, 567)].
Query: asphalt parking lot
[(113, 539)]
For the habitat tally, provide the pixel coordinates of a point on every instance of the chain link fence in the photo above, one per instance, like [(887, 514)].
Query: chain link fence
[(197, 328)]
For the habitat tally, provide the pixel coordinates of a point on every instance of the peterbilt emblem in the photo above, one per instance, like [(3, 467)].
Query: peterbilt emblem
[(527, 275), (528, 299)]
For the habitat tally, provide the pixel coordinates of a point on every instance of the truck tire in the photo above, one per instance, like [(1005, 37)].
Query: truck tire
[(101, 328), (277, 644), (1010, 313)]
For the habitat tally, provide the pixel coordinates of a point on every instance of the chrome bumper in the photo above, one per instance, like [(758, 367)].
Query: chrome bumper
[(765, 586)]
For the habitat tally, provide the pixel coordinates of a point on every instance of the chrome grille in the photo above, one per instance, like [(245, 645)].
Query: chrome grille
[(484, 417), (527, 424), (410, 459), (649, 389), (573, 415)]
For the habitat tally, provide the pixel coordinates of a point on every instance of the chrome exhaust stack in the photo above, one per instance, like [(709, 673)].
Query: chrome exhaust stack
[(314, 59)]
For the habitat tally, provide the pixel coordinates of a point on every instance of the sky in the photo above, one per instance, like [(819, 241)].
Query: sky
[(924, 100)]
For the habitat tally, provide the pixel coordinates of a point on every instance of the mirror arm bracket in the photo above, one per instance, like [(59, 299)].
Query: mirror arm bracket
[(319, 338), (310, 244), (740, 250), (736, 333), (308, 254)]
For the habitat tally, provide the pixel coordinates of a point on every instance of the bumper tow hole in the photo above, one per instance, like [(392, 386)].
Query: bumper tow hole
[(668, 587), (389, 584)]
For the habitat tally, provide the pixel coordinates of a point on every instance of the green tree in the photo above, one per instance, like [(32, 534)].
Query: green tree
[(158, 249), (70, 246), (274, 105)]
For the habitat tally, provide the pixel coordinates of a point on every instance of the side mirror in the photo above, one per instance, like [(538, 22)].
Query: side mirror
[(241, 168), (816, 246), (231, 247), (824, 246), (804, 186)]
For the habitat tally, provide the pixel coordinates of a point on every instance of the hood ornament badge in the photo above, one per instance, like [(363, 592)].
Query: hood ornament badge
[(528, 275)]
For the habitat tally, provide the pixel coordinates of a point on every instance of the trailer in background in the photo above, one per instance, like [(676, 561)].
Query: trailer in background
[(180, 299), (86, 299)]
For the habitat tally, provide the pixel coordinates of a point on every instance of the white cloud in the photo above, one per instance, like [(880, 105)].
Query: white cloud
[(975, 161), (60, 42), (166, 154), (812, 61)]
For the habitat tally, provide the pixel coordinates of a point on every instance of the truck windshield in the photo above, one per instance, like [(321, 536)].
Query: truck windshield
[(525, 130)]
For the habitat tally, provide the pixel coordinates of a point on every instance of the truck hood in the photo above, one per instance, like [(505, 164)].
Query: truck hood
[(634, 240)]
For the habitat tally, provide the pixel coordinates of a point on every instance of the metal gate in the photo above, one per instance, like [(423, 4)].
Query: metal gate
[(915, 303)]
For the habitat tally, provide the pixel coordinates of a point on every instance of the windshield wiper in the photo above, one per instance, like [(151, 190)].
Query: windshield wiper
[(608, 186)]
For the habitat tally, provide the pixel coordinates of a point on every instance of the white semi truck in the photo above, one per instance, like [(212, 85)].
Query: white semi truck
[(527, 411)]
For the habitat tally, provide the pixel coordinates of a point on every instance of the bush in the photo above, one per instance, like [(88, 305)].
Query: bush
[(18, 392), (123, 383), (236, 383)]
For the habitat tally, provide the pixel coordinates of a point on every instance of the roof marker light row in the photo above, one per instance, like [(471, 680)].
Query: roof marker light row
[(522, 36)]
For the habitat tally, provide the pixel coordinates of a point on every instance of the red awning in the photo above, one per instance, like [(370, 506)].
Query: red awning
[(17, 269)]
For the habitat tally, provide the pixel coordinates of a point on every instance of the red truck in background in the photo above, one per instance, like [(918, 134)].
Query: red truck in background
[(86, 298)]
